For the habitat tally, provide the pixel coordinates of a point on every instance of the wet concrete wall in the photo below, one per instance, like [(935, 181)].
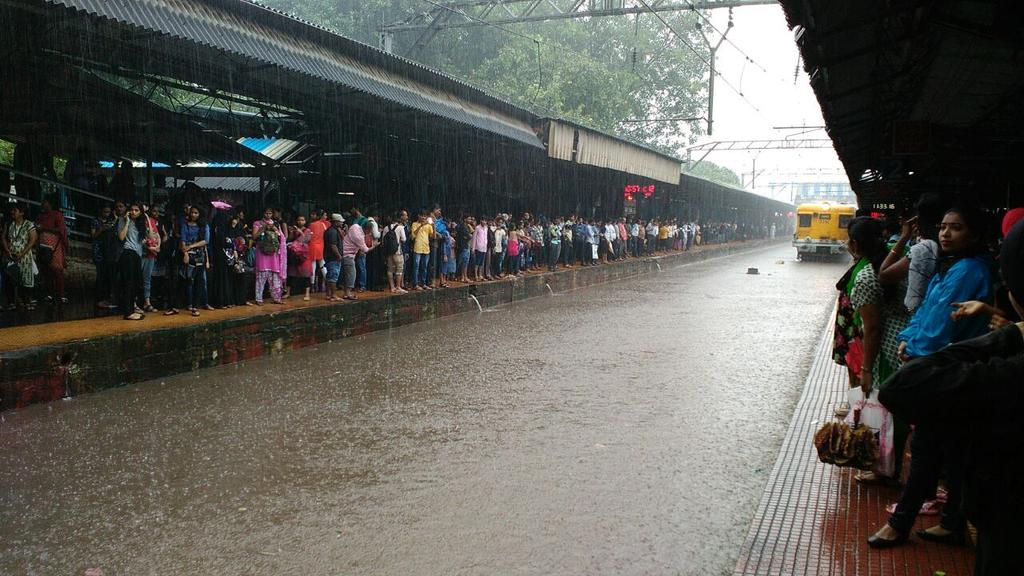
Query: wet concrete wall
[(45, 373)]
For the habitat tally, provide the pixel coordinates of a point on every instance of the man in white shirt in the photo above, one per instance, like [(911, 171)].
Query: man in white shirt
[(611, 232), (652, 236)]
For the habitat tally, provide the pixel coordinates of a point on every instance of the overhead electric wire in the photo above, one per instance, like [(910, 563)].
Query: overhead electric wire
[(700, 15), (538, 42), (469, 16), (701, 56)]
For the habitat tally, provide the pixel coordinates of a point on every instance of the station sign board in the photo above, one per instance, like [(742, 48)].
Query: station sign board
[(630, 191)]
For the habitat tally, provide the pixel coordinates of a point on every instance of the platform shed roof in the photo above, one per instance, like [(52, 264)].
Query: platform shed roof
[(234, 35), (918, 95)]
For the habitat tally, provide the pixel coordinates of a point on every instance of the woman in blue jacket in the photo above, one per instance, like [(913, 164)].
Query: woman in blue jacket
[(964, 273)]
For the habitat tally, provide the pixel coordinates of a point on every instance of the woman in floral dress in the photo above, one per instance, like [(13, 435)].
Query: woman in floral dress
[(19, 239)]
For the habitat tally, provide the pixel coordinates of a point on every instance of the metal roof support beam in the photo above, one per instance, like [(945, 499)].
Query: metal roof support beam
[(572, 10), (779, 144)]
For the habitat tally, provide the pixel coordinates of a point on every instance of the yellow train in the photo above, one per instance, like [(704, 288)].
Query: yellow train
[(821, 229)]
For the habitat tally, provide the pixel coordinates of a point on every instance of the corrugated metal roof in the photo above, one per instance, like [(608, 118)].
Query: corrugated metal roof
[(236, 183), (599, 149), (253, 31), (273, 148)]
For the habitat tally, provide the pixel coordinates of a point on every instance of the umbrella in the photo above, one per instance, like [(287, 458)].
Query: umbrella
[(220, 205)]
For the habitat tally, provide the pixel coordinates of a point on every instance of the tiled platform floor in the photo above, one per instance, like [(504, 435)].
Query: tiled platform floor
[(814, 518)]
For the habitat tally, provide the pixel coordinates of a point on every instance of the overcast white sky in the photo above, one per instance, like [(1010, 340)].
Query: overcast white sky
[(761, 32)]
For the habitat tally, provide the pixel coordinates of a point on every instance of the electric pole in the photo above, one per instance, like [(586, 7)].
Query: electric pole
[(711, 80)]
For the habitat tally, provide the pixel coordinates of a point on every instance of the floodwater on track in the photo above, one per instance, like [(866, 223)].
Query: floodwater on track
[(627, 428)]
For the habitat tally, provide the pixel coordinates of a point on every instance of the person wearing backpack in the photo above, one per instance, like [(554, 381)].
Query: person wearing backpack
[(391, 240), (269, 242)]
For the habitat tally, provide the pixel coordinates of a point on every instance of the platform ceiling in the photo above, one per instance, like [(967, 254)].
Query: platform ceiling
[(919, 95)]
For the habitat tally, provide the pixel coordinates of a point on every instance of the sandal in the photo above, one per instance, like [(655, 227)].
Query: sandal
[(148, 308), (134, 316), (195, 312), (349, 298), (929, 508), (171, 312), (868, 477)]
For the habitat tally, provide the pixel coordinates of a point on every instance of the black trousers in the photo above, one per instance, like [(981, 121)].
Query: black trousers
[(172, 297), (129, 279), (103, 282), (930, 448)]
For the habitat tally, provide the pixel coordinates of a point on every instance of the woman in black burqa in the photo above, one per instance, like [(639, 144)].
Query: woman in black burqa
[(222, 292), (975, 389)]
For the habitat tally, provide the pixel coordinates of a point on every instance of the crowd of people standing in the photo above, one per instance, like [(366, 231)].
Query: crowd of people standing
[(211, 255)]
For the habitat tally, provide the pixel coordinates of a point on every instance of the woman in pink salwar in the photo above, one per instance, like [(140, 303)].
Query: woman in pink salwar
[(271, 264)]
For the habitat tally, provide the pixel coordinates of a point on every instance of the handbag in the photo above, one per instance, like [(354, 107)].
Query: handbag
[(846, 445), (197, 257), (12, 271), (871, 413)]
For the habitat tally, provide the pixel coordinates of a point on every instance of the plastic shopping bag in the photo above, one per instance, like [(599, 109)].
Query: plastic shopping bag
[(871, 413)]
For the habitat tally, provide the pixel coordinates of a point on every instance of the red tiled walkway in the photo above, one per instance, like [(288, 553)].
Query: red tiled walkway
[(813, 518)]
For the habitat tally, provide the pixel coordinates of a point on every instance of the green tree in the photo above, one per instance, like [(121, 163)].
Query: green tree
[(6, 153), (715, 173), (598, 72)]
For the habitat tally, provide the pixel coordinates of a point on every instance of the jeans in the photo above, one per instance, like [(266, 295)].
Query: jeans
[(195, 287), (348, 271), (420, 269), (147, 276), (513, 264), (333, 270), (553, 251), (433, 259), (929, 449), (361, 271)]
